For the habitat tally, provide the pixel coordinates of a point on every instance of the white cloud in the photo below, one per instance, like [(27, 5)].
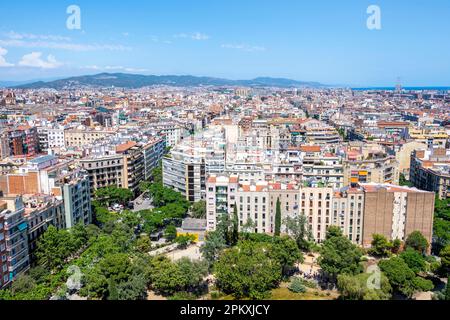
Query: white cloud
[(34, 60), (3, 62), (125, 34), (21, 36), (114, 68), (156, 39), (243, 47), (91, 67), (62, 45), (194, 36)]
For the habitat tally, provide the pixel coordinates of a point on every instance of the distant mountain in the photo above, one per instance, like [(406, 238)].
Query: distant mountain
[(9, 84), (134, 81)]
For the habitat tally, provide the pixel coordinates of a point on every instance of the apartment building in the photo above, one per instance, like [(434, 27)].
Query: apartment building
[(360, 211), (430, 170), (221, 198), (23, 141), (348, 212), (5, 151), (4, 276), (40, 213), (253, 203), (153, 154), (46, 176), (324, 170), (50, 138), (431, 136), (396, 212), (76, 195), (104, 171), (82, 136), (316, 205), (186, 167), (123, 164), (403, 156), (173, 134), (319, 133), (376, 168)]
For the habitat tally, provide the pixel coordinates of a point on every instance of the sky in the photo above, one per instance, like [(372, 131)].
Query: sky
[(327, 41)]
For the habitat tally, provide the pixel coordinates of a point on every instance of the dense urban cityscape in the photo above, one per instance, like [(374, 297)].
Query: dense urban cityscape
[(224, 159), (331, 181)]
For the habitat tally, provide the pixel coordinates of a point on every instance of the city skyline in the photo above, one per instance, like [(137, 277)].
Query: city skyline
[(323, 41)]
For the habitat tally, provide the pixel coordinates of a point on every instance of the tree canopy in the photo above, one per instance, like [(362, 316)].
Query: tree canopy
[(402, 278), (339, 255), (417, 242), (247, 271), (113, 194)]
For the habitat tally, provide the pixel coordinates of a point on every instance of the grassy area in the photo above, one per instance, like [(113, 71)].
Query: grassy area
[(284, 293)]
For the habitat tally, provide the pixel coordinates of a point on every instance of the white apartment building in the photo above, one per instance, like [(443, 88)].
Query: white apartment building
[(185, 169)]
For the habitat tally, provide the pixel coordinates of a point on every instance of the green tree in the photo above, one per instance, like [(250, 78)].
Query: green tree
[(441, 232), (415, 261), (113, 293), (143, 244), (381, 246), (333, 231), (402, 278), (297, 227), (113, 194), (339, 255), (249, 226), (247, 272), (166, 277), (286, 252), (157, 174), (235, 227), (170, 232), (417, 241), (39, 274), (354, 287), (102, 215), (116, 267), (199, 210), (445, 258), (278, 219), (225, 228), (23, 284), (396, 245), (194, 273), (404, 182), (54, 247), (297, 286), (95, 285), (213, 246), (185, 240), (133, 289)]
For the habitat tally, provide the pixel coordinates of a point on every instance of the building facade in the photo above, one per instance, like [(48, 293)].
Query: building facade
[(360, 211)]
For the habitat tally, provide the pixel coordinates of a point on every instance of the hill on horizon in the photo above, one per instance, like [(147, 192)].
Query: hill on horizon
[(136, 81)]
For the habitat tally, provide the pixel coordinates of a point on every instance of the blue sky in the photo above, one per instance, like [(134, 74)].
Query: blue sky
[(321, 40)]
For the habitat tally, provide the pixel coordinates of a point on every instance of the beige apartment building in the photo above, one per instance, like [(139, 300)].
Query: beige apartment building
[(82, 137), (377, 169), (360, 211), (403, 156)]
